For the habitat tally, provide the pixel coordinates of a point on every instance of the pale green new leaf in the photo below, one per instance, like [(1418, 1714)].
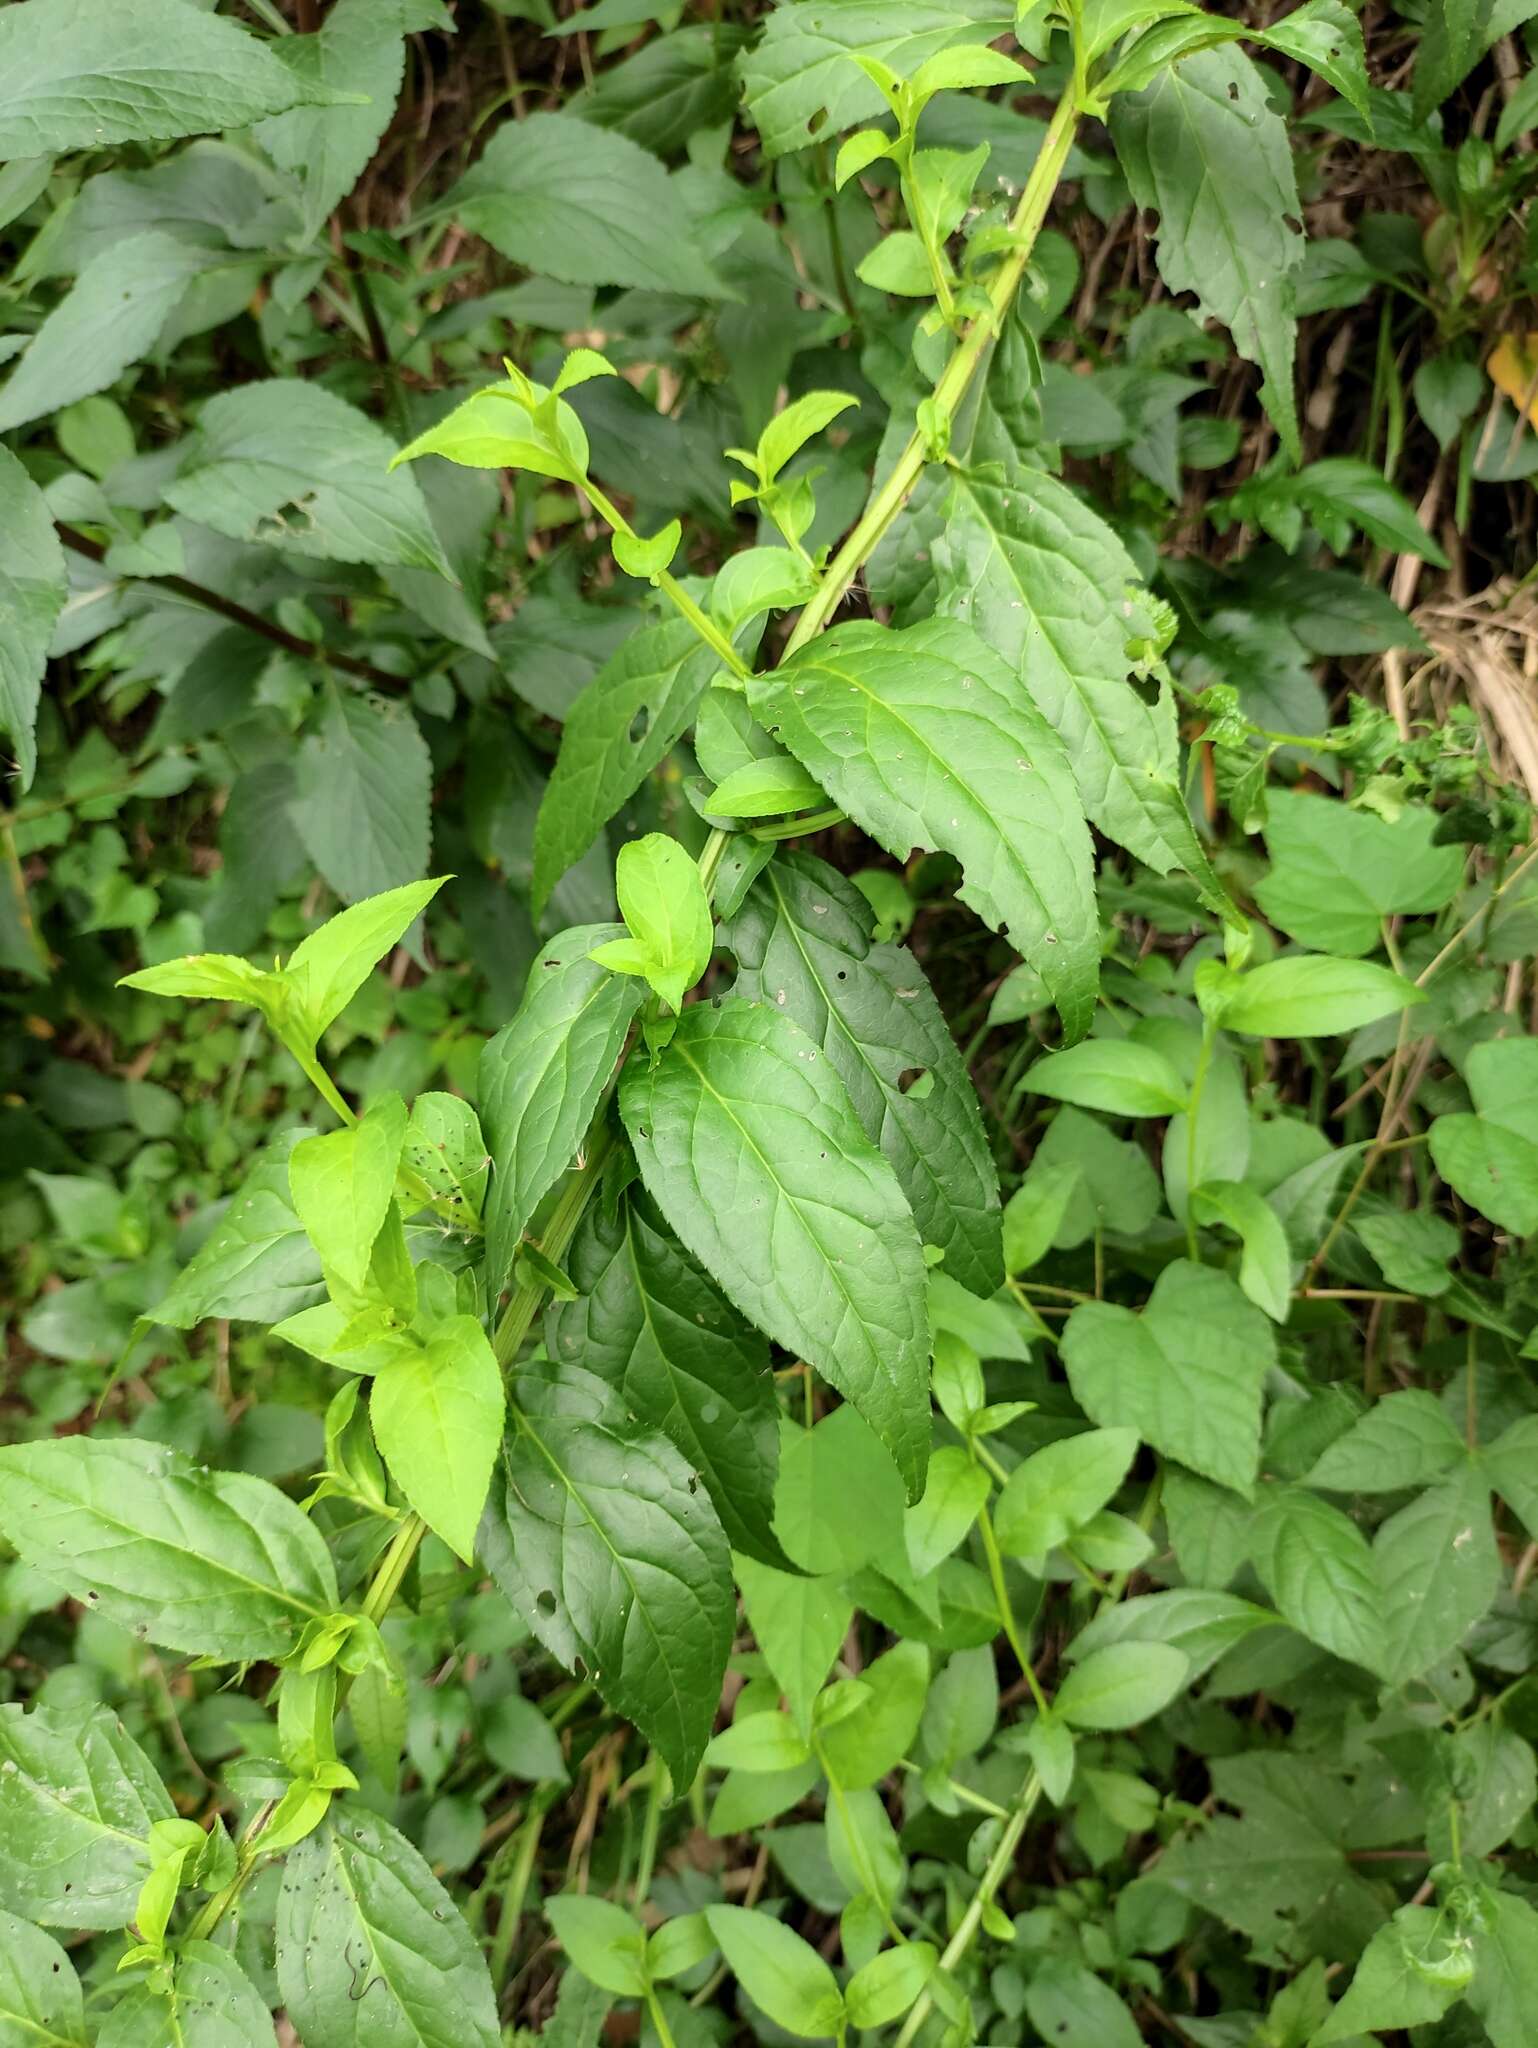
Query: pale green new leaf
[(218, 1564), (667, 913), (926, 739), (1121, 1685), (1307, 996), (798, 1625), (1186, 1374), (327, 969), (437, 1414), (33, 587), (541, 1078), (1265, 1264), (1319, 1569), (1050, 587), (1059, 1488), (603, 1941), (1203, 146), (40, 2001), (626, 721), (1490, 1158), (1117, 1075), (77, 1800), (803, 943), (211, 2003), (90, 74), (780, 1972), (286, 464), (747, 1140), (601, 1536), (585, 205), (882, 1990), (358, 1904), (342, 1186)]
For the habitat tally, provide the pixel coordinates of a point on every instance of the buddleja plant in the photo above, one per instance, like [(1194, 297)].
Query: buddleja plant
[(733, 1129)]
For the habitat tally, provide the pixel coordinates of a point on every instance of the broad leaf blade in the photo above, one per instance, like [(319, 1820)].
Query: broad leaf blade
[(748, 1143), (33, 587), (437, 1415)]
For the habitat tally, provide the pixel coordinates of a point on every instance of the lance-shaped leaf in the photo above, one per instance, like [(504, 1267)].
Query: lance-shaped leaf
[(437, 1415), (1048, 585), (541, 1078), (77, 1800), (802, 941), (926, 738), (371, 1948), (651, 1323), (629, 717), (33, 586), (749, 1144), (1203, 146), (215, 1563), (602, 1537)]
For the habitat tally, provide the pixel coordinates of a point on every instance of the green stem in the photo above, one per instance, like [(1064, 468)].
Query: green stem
[(671, 588), (518, 1316), (659, 2019), (1193, 1114), (956, 377), (1006, 1608)]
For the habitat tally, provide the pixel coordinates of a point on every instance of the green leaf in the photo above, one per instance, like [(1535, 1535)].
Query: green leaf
[(1491, 1157), (364, 782), (328, 968), (882, 1990), (358, 1905), (256, 1264), (781, 1973), (1455, 37), (342, 1187), (630, 716), (1404, 1439), (1201, 1624), (1327, 37), (1059, 1488), (1186, 1374), (541, 1078), (360, 49), (748, 1143), (40, 2001), (859, 1750), (1504, 1992), (1265, 1265), (799, 78), (1339, 495), (1412, 1247), (794, 425), (1047, 584), (1439, 1569), (650, 1322), (33, 587), (666, 911), (1120, 1686), (1511, 1465), (1114, 1074), (214, 1563), (447, 1151), (585, 205), (121, 301), (1309, 996), (286, 464), (955, 1493), (1319, 1569), (1204, 147), (1069, 2006), (602, 1538), (1338, 873), (437, 1415), (765, 789), (89, 74), (1389, 1989), (759, 1743), (77, 1800), (923, 737), (647, 558), (604, 1941), (802, 942), (212, 2003), (798, 1625)]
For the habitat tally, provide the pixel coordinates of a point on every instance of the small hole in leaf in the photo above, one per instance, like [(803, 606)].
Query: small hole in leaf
[(640, 725), (545, 1602)]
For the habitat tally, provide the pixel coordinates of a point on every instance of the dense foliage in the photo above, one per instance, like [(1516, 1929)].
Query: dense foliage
[(768, 1104)]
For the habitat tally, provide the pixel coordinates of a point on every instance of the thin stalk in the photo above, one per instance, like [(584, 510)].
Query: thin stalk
[(1193, 1112)]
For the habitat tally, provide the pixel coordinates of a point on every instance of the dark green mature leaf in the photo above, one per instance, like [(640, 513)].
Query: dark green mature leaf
[(602, 1537), (650, 1323), (33, 587), (361, 802), (371, 1948), (1047, 584), (1319, 1569), (799, 78), (748, 1142), (88, 74), (215, 1563), (541, 1078), (286, 464), (925, 738), (1204, 147), (1337, 873), (40, 2002), (1491, 1157), (212, 2003), (77, 1800), (626, 721), (1186, 1374), (1456, 35), (585, 205), (802, 942), (1439, 1569), (256, 1264)]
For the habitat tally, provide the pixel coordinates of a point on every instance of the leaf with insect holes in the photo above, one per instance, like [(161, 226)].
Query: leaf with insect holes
[(925, 738), (748, 1143)]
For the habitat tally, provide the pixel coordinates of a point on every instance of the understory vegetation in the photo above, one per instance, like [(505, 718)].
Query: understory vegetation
[(769, 1102)]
